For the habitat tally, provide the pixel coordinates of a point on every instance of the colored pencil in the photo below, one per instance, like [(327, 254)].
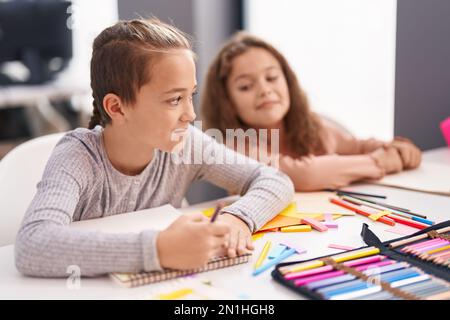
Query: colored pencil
[(358, 210), (331, 281), (287, 253), (219, 207), (392, 207), (408, 222), (416, 238), (263, 254), (420, 244), (391, 211), (356, 193), (296, 267)]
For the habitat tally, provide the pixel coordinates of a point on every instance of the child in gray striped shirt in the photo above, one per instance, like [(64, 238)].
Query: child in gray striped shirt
[(143, 79)]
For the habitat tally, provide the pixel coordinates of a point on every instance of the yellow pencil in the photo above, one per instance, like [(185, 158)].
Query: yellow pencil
[(438, 249), (358, 254), (257, 236), (338, 258), (263, 254), (301, 266), (299, 228)]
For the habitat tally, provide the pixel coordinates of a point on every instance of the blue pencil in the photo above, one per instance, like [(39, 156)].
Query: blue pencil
[(426, 221), (354, 287), (274, 261)]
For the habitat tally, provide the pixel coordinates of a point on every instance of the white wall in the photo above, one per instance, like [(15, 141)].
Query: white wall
[(343, 52), (89, 18)]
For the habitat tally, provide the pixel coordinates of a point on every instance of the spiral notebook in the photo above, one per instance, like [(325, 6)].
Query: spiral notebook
[(138, 279), (155, 218)]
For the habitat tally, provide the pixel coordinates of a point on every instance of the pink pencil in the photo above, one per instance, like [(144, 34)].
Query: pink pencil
[(375, 265), (444, 257), (323, 276), (426, 246), (305, 273), (418, 245), (361, 261)]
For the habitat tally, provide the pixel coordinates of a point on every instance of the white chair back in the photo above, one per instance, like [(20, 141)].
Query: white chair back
[(20, 171)]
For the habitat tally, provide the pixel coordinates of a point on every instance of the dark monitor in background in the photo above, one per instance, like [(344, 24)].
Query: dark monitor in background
[(36, 33)]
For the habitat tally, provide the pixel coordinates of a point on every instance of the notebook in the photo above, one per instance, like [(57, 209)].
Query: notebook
[(138, 279), (158, 219), (431, 178)]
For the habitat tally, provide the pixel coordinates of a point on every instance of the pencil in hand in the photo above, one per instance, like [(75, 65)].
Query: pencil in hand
[(219, 207)]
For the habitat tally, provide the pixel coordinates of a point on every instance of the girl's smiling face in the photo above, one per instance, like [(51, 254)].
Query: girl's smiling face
[(258, 89), (163, 109)]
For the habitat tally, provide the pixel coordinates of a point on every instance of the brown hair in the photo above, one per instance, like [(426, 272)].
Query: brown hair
[(301, 125), (121, 58)]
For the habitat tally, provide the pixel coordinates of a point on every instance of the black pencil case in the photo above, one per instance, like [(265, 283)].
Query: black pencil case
[(439, 271)]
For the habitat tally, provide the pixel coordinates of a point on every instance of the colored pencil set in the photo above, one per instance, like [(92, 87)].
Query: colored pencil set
[(362, 274), (381, 212)]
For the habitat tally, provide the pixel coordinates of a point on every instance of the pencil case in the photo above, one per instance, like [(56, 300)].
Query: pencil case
[(317, 278)]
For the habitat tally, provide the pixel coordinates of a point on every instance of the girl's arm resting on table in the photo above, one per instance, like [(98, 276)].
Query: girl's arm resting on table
[(329, 171)]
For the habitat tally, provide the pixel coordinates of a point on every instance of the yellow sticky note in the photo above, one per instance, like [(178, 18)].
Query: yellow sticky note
[(208, 212), (175, 294), (290, 210), (279, 222), (378, 215), (257, 236)]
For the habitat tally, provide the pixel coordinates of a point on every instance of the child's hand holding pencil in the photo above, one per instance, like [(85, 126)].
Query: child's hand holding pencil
[(191, 241)]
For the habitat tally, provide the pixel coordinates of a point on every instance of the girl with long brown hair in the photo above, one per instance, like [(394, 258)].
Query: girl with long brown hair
[(251, 85)]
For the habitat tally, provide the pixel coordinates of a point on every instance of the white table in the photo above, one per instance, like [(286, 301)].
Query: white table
[(39, 99), (439, 155), (236, 279)]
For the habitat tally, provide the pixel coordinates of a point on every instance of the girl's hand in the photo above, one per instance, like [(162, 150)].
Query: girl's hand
[(240, 237), (388, 159), (190, 241), (410, 154)]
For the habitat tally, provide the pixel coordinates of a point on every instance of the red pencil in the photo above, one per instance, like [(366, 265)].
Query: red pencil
[(356, 209), (408, 222)]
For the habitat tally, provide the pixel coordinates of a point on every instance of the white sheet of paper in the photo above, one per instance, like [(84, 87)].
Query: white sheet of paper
[(429, 177), (155, 218)]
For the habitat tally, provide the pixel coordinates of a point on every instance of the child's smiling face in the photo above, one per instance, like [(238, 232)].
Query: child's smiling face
[(163, 109), (258, 89)]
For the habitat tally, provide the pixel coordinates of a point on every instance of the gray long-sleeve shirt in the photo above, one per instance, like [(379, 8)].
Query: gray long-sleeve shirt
[(80, 183)]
